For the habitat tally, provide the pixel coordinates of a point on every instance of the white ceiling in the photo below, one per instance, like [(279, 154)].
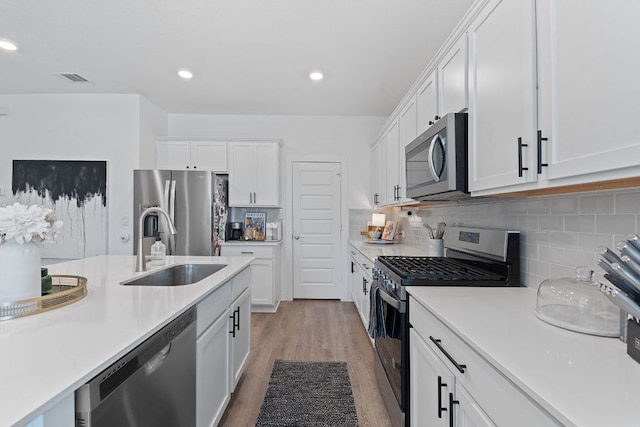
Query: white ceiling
[(247, 56)]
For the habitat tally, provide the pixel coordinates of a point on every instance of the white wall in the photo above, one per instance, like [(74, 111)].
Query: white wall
[(302, 135), (82, 127)]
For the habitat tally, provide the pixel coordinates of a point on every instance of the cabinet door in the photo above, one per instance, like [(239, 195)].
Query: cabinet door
[(467, 412), (502, 95), (173, 155), (209, 155), (266, 189), (393, 163), (407, 128), (383, 195), (427, 102), (241, 174), (430, 382), (213, 368), (365, 287), (262, 282), (241, 342), (453, 78), (375, 173), (353, 280), (588, 86)]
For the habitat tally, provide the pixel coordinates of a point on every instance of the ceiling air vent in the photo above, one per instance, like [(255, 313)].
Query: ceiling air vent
[(76, 78)]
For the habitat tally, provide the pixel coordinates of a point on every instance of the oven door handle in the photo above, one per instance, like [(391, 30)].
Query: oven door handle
[(401, 306)]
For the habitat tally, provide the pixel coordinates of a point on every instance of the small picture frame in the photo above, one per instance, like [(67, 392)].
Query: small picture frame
[(389, 232), (254, 225)]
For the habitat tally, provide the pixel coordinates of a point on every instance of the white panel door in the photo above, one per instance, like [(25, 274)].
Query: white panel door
[(427, 103), (453, 78), (209, 155), (173, 155), (316, 230)]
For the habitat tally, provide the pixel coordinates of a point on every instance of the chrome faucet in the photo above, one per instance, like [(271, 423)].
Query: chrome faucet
[(140, 261)]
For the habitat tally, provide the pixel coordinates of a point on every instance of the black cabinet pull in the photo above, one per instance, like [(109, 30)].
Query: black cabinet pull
[(520, 145), (440, 385), (437, 117), (238, 311), (431, 122), (540, 164), (458, 366), (364, 286), (233, 327), (451, 403), (353, 267)]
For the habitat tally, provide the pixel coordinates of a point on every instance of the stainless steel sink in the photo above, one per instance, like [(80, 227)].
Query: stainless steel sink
[(177, 275)]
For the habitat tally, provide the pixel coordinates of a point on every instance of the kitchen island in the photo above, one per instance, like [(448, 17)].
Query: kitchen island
[(47, 356), (565, 377)]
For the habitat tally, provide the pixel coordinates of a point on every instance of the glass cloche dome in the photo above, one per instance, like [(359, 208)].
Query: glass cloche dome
[(578, 305)]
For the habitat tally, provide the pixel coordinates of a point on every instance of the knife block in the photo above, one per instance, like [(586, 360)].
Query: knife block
[(633, 340)]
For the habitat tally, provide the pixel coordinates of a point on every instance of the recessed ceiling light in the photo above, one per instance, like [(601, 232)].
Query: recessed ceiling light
[(7, 45), (316, 76), (185, 74)]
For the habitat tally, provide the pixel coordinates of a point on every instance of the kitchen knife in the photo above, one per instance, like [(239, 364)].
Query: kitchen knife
[(627, 274), (609, 255), (629, 250), (620, 298), (634, 240), (619, 281)]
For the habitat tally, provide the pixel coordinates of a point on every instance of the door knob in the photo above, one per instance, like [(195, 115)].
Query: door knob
[(297, 237)]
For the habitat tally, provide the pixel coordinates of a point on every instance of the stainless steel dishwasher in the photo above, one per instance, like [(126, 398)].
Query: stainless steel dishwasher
[(153, 385)]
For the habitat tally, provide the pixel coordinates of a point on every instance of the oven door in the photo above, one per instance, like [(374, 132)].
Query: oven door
[(393, 351)]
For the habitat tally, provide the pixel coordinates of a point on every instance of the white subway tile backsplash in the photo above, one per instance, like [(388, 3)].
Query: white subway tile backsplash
[(590, 242), (539, 207), (597, 204), (558, 233), (564, 239), (580, 223), (551, 222), (611, 224), (627, 203), (569, 205)]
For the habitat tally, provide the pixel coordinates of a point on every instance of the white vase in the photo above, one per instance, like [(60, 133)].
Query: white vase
[(19, 271)]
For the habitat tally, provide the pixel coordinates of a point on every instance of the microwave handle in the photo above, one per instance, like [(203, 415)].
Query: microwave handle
[(436, 139)]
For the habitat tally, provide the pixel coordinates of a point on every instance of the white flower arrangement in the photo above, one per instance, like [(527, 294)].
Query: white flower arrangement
[(27, 223)]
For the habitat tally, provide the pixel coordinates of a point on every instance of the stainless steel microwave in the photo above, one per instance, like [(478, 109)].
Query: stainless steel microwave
[(436, 161)]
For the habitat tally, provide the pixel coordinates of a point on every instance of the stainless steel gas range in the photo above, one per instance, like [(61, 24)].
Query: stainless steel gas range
[(473, 257)]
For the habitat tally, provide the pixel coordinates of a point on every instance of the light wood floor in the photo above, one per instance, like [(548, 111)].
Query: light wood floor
[(311, 330)]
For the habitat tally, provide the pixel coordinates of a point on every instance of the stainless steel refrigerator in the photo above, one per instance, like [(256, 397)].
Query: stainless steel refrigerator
[(195, 201)]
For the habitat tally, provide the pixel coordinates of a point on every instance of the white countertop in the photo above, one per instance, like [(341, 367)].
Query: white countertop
[(46, 356), (373, 250), (582, 380), (252, 242)]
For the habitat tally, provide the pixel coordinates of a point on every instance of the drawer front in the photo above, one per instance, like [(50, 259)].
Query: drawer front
[(241, 282), (248, 250), (366, 263), (212, 306), (503, 401)]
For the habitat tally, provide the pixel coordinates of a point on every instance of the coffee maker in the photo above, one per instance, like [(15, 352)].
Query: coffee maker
[(235, 231)]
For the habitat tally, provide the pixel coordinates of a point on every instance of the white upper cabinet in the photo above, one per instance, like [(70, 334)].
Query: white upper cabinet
[(427, 102), (185, 154), (392, 182), (502, 95), (254, 174), (588, 96), (375, 172), (452, 78), (379, 170), (408, 130)]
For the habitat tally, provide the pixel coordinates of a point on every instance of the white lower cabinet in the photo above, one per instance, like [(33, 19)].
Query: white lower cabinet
[(361, 278), (265, 283), (240, 330), (212, 385), (449, 379), (222, 346), (61, 415)]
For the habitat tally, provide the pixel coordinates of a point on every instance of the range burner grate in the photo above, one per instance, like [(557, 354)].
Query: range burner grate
[(436, 268)]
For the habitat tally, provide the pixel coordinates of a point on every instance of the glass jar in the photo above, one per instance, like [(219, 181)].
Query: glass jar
[(577, 304), (47, 282)]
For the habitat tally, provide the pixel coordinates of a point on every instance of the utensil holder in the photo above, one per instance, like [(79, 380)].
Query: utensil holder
[(436, 247)]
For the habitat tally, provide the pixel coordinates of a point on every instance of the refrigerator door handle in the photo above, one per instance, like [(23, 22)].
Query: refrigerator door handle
[(165, 202), (172, 215)]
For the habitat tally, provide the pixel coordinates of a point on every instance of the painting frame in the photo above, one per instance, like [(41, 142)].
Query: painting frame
[(389, 232), (255, 225)]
